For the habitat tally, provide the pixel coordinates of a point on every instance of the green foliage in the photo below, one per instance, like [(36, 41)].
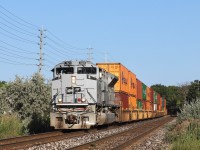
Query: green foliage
[(29, 98), (194, 92), (189, 139), (175, 95), (10, 126), (190, 111), (2, 83), (186, 133)]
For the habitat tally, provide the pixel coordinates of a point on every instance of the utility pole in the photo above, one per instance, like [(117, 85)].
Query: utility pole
[(41, 48), (90, 54)]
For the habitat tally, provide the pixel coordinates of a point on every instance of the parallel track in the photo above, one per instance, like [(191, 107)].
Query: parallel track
[(121, 140)]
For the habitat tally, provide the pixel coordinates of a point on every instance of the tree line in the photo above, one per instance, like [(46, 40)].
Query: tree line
[(179, 95)]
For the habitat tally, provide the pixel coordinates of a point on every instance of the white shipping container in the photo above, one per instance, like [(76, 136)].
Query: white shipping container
[(155, 107)]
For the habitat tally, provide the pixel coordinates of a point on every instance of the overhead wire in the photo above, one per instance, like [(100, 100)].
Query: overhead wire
[(20, 38), (64, 48), (61, 41), (10, 23), (15, 55), (17, 30), (33, 26), (59, 51), (16, 63), (21, 50)]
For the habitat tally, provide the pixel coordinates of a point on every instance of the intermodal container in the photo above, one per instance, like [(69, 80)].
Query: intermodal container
[(132, 84), (139, 89), (123, 99), (158, 98), (144, 104), (148, 94), (148, 105), (144, 91), (132, 102), (155, 107), (151, 95), (155, 97), (121, 72), (139, 104)]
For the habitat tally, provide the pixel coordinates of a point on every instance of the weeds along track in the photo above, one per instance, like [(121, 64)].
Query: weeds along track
[(123, 139)]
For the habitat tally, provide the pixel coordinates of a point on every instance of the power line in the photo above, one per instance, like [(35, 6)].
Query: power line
[(16, 63), (35, 27), (22, 39), (64, 42), (21, 50), (10, 23), (15, 55), (17, 30), (65, 49), (60, 52)]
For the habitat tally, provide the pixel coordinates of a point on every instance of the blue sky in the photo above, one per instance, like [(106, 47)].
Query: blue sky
[(157, 40)]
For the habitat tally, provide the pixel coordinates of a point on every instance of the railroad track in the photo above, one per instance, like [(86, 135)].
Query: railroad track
[(24, 142), (121, 140), (137, 130), (36, 139)]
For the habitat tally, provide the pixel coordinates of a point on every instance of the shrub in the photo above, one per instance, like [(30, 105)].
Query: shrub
[(10, 126)]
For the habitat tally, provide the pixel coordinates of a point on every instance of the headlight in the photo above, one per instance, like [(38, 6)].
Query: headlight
[(59, 100), (83, 100), (73, 80)]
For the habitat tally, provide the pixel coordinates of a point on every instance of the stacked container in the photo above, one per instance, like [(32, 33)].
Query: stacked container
[(148, 99), (139, 94), (122, 86), (163, 104), (155, 99), (132, 84), (160, 103)]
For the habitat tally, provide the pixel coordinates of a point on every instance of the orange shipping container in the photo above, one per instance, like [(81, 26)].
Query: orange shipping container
[(158, 98), (121, 72), (139, 90), (148, 105), (148, 94), (132, 102), (132, 84)]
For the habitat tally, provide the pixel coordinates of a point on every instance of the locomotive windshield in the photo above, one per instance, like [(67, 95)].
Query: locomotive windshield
[(86, 70), (68, 70)]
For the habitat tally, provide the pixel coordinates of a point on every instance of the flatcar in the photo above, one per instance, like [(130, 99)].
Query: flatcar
[(86, 95)]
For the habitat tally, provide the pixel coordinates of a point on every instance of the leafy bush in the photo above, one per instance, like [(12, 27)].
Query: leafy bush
[(30, 99), (190, 111)]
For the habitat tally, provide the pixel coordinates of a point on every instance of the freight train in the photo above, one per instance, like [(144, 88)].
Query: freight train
[(86, 95)]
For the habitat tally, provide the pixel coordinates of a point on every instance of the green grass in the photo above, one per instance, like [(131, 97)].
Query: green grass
[(10, 126), (185, 136), (186, 142)]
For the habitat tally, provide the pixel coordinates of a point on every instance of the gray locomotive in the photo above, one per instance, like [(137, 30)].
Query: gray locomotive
[(82, 96)]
